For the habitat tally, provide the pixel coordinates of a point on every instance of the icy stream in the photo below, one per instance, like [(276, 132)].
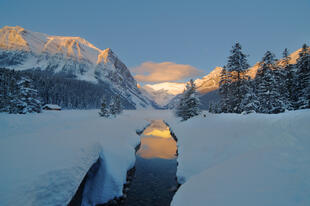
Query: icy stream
[(154, 183)]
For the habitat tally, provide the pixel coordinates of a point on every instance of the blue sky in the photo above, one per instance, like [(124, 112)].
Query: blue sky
[(199, 33)]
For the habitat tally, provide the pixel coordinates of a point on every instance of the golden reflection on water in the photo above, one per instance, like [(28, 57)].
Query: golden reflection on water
[(156, 142)]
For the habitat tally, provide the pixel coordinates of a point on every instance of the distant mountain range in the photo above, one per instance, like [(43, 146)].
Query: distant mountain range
[(162, 93), (21, 49), (207, 86)]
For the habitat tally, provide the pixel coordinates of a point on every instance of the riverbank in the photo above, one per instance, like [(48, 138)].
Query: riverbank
[(47, 155), (254, 159), (155, 176)]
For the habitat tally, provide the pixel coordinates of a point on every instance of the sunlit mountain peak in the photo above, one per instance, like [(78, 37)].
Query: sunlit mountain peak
[(76, 48)]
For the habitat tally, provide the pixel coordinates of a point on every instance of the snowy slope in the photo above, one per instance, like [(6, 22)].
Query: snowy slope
[(209, 82), (166, 94), (44, 157), (163, 93), (255, 159), (293, 59), (170, 87), (21, 49)]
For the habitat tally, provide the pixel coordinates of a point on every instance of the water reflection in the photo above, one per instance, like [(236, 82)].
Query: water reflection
[(154, 183), (157, 128), (156, 142)]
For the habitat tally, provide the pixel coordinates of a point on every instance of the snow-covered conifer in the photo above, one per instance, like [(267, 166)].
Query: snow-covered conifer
[(288, 81), (115, 105), (267, 92), (27, 100), (303, 75), (224, 84), (188, 105), (104, 110), (237, 66), (249, 103)]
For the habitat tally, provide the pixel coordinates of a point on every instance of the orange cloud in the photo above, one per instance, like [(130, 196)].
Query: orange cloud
[(163, 72)]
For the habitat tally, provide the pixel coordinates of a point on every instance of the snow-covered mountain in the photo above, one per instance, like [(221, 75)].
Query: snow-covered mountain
[(163, 93), (21, 49), (293, 59), (170, 87), (206, 86), (209, 82)]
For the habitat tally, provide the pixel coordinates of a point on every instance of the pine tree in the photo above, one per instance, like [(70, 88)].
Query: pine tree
[(237, 62), (280, 86), (104, 110), (28, 100), (237, 66), (210, 108), (115, 105), (188, 105), (250, 103), (303, 75), (288, 82), (4, 90), (267, 91), (225, 81)]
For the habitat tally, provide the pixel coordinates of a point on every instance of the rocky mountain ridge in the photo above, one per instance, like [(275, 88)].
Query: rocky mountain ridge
[(21, 49)]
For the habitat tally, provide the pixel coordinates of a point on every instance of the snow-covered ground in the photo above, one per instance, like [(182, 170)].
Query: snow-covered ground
[(224, 159), (44, 157), (255, 159)]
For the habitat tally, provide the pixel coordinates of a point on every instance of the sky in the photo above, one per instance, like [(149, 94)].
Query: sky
[(154, 36)]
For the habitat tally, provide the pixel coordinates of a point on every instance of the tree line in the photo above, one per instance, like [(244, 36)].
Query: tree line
[(26, 91), (17, 93), (278, 85)]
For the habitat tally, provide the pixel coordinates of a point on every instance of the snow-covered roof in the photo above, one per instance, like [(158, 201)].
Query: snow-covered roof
[(52, 106)]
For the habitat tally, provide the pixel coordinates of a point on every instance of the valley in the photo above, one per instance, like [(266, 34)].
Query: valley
[(154, 103)]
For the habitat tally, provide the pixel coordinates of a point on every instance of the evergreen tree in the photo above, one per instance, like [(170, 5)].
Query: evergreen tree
[(29, 100), (267, 92), (225, 81), (250, 103), (280, 86), (303, 75), (104, 110), (289, 81), (285, 58), (210, 108), (188, 105), (237, 66), (115, 105), (237, 62), (23, 98), (5, 85)]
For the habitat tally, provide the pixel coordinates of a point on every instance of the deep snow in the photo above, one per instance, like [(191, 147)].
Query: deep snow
[(44, 157), (224, 159), (255, 159)]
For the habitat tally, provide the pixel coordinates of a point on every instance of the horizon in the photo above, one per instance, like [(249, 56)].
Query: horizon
[(154, 103), (195, 35)]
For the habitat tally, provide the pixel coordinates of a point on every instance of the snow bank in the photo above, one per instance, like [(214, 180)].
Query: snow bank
[(255, 159), (44, 157)]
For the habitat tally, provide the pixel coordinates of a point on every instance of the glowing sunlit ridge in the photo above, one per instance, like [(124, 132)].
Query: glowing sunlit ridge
[(18, 38)]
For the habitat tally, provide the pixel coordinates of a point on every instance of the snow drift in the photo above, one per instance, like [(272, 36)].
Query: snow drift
[(255, 159), (44, 157)]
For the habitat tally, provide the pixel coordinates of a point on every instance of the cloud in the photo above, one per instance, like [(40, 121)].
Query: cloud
[(164, 72)]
